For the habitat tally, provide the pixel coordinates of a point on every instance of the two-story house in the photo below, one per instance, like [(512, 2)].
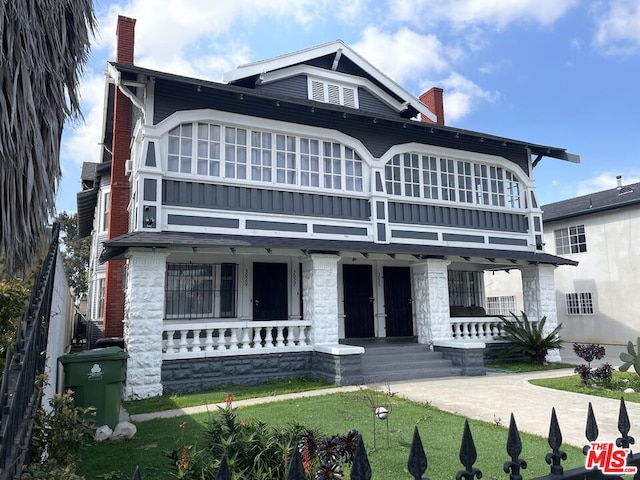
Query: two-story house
[(262, 226), (596, 300)]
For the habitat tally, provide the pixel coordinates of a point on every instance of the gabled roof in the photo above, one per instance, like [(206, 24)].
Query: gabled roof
[(337, 52), (605, 200)]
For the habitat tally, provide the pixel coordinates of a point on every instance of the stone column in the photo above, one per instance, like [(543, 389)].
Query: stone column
[(143, 322), (539, 297), (320, 297), (431, 300)]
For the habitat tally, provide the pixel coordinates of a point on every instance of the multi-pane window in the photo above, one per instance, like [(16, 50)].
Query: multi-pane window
[(180, 148), (422, 176), (430, 177), (352, 170), (262, 156), (208, 160), (309, 162), (579, 303), (448, 179), (235, 152), (570, 240), (331, 160), (261, 149), (200, 290), (286, 159), (501, 305), (465, 182)]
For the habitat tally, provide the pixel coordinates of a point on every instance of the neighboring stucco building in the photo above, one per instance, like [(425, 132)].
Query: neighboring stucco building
[(597, 300), (255, 228)]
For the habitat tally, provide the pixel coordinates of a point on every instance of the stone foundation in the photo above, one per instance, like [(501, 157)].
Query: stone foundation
[(467, 355)]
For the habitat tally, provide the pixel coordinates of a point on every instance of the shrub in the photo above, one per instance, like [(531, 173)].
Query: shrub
[(58, 437), (589, 352), (631, 358), (256, 451), (528, 338)]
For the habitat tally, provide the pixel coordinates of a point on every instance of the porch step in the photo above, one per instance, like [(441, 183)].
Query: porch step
[(404, 361)]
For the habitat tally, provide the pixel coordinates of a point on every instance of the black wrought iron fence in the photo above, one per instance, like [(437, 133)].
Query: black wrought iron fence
[(18, 396), (609, 460)]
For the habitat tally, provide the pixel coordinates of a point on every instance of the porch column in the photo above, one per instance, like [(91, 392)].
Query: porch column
[(539, 298), (431, 300), (320, 297), (144, 306)]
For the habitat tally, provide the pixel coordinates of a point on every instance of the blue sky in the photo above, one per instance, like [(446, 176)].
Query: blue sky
[(563, 73)]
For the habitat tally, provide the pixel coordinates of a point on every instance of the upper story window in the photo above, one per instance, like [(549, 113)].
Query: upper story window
[(333, 92), (570, 240), (263, 156), (424, 176), (104, 214)]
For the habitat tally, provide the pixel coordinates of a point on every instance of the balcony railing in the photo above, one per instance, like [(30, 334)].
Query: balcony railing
[(482, 329), (214, 339)]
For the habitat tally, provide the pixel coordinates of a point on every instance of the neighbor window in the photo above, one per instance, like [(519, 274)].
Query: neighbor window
[(465, 288), (570, 240), (579, 303), (200, 290), (502, 305)]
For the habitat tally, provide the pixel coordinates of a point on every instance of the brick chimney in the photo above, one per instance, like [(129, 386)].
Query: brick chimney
[(432, 98), (118, 215)]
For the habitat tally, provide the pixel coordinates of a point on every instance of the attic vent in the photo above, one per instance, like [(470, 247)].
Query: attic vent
[(333, 93)]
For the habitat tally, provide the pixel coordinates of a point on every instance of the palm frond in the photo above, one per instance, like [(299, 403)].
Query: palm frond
[(45, 46)]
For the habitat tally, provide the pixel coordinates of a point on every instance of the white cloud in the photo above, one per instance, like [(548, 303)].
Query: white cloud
[(618, 31), (605, 181), (404, 55), (460, 96), (494, 13)]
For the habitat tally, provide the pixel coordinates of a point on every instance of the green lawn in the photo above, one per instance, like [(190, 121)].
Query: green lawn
[(332, 414), (620, 381), (219, 395), (522, 367)]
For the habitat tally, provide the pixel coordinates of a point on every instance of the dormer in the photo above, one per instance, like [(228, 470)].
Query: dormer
[(331, 74)]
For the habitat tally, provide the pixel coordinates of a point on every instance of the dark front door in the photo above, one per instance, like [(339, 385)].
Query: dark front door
[(397, 301), (358, 301), (270, 297)]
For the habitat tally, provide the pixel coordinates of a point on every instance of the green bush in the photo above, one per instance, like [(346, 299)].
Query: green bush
[(527, 338), (257, 451), (631, 358), (58, 437), (13, 303)]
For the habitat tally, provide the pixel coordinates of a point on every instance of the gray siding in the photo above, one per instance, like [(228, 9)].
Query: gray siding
[(226, 197), (415, 235), (337, 230), (372, 104), (295, 87), (456, 217), (508, 241), (193, 221)]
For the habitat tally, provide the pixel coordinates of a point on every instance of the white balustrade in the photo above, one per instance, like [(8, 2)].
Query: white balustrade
[(184, 339), (485, 329)]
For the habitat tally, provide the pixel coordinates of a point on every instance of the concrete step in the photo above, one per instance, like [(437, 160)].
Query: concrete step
[(412, 374)]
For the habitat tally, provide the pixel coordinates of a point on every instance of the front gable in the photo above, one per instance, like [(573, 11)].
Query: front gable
[(332, 73)]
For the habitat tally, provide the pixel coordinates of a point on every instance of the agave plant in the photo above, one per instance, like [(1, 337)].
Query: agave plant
[(528, 338), (630, 357)]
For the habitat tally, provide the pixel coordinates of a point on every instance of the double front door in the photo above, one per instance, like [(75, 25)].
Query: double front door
[(359, 301)]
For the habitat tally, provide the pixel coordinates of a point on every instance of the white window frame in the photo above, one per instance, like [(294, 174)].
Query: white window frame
[(579, 303), (570, 240), (332, 91), (105, 200), (501, 305)]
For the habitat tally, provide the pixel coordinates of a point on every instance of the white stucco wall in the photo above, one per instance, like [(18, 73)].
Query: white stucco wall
[(431, 301), (610, 270), (320, 297)]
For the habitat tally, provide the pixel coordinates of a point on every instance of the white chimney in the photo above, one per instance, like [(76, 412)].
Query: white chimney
[(619, 179)]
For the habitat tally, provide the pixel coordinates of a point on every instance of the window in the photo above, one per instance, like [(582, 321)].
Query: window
[(200, 290), (465, 288), (99, 299), (179, 150), (208, 160), (104, 221), (503, 305), (570, 240), (411, 175), (262, 156), (465, 189), (430, 177), (579, 303)]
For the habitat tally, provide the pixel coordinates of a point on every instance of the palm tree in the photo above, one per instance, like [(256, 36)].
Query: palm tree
[(45, 46)]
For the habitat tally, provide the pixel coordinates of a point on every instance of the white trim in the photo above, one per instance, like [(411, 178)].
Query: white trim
[(337, 47)]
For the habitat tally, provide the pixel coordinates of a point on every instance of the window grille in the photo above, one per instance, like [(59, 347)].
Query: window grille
[(570, 240), (501, 305), (580, 303)]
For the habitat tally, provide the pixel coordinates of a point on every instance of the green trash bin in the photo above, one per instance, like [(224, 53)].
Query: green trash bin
[(96, 378)]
